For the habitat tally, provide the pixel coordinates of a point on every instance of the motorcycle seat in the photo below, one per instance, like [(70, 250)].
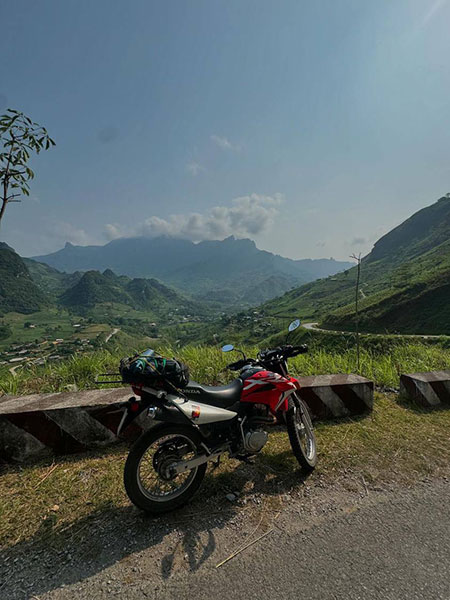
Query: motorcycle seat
[(222, 396)]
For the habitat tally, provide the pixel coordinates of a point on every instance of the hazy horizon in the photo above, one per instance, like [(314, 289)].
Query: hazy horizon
[(311, 128), (177, 238)]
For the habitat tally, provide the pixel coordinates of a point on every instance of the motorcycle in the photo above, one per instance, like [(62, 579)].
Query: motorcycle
[(200, 424)]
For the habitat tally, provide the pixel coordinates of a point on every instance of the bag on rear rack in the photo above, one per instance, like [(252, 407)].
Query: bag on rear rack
[(151, 369)]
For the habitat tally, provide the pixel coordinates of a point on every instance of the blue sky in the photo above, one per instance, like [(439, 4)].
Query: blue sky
[(311, 127)]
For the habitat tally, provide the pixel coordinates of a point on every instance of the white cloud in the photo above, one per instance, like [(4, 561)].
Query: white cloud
[(247, 216), (113, 231), (194, 168), (68, 233), (224, 143)]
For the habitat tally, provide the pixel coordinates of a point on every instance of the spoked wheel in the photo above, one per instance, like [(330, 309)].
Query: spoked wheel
[(149, 477), (301, 433)]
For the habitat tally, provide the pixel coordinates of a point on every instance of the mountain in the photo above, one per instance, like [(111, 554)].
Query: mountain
[(96, 288), (405, 282), (27, 286), (18, 292), (199, 269), (266, 288), (49, 280)]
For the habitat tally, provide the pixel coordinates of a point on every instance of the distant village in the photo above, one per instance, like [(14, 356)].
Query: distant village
[(38, 352), (51, 348)]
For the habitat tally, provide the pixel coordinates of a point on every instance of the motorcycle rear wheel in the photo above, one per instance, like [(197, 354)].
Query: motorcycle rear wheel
[(148, 482), (301, 433)]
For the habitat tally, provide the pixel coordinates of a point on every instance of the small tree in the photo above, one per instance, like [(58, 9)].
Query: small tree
[(19, 138)]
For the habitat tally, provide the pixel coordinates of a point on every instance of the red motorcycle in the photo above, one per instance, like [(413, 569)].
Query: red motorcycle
[(199, 424)]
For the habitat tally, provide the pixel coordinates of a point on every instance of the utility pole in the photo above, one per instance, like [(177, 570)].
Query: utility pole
[(358, 277)]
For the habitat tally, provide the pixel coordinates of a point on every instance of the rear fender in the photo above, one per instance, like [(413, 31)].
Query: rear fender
[(131, 410)]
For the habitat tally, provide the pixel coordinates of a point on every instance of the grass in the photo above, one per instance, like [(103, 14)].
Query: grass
[(382, 363), (394, 443)]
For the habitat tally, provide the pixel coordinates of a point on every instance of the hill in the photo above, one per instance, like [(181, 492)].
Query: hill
[(199, 269), (405, 282), (94, 288), (49, 280), (141, 294), (18, 292)]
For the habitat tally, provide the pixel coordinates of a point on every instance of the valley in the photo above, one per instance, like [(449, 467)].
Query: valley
[(47, 314)]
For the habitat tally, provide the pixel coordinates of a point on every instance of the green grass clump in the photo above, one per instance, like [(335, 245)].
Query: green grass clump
[(207, 365), (395, 443)]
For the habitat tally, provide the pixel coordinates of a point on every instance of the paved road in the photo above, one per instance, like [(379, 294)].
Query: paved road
[(395, 550), (315, 327), (389, 544)]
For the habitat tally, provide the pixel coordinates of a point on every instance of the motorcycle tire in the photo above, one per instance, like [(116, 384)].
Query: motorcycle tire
[(139, 495), (301, 434)]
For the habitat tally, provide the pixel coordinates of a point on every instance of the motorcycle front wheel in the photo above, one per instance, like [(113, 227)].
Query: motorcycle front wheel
[(149, 481), (301, 433)]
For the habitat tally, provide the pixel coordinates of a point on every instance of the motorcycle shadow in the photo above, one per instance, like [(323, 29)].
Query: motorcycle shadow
[(184, 539), (55, 558)]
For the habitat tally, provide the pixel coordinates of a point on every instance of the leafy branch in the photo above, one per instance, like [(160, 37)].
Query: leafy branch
[(20, 137)]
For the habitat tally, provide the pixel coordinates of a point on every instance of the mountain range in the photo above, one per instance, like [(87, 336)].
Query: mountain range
[(405, 282), (228, 272), (27, 286)]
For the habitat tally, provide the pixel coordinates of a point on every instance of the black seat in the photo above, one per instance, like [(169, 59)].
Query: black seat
[(221, 396)]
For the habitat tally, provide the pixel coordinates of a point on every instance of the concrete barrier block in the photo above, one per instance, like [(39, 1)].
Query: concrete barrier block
[(427, 389), (337, 396), (37, 425), (62, 423)]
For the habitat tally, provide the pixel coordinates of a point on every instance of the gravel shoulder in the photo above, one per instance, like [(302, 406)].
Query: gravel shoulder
[(350, 540)]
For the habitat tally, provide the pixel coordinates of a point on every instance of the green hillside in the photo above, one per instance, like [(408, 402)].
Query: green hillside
[(48, 279), (150, 293), (404, 282), (95, 288), (18, 292)]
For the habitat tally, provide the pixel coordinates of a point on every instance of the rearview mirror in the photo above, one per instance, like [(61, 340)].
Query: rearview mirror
[(227, 348), (294, 325)]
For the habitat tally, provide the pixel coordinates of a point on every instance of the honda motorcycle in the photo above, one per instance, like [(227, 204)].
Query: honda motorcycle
[(200, 423)]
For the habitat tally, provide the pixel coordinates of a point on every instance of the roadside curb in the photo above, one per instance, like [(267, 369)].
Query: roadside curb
[(430, 389), (337, 396), (38, 425)]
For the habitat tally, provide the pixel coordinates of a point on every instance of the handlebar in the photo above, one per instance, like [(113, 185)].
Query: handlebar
[(280, 353), (283, 352), (240, 364)]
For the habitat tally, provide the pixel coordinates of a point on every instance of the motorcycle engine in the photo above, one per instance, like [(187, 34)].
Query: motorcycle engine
[(254, 440)]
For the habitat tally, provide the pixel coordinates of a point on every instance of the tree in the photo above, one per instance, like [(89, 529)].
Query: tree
[(19, 138)]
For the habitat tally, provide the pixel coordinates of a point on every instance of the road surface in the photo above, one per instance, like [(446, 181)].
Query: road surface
[(113, 332), (315, 327), (327, 544)]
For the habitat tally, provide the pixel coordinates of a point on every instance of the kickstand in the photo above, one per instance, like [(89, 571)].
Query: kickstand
[(217, 462)]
